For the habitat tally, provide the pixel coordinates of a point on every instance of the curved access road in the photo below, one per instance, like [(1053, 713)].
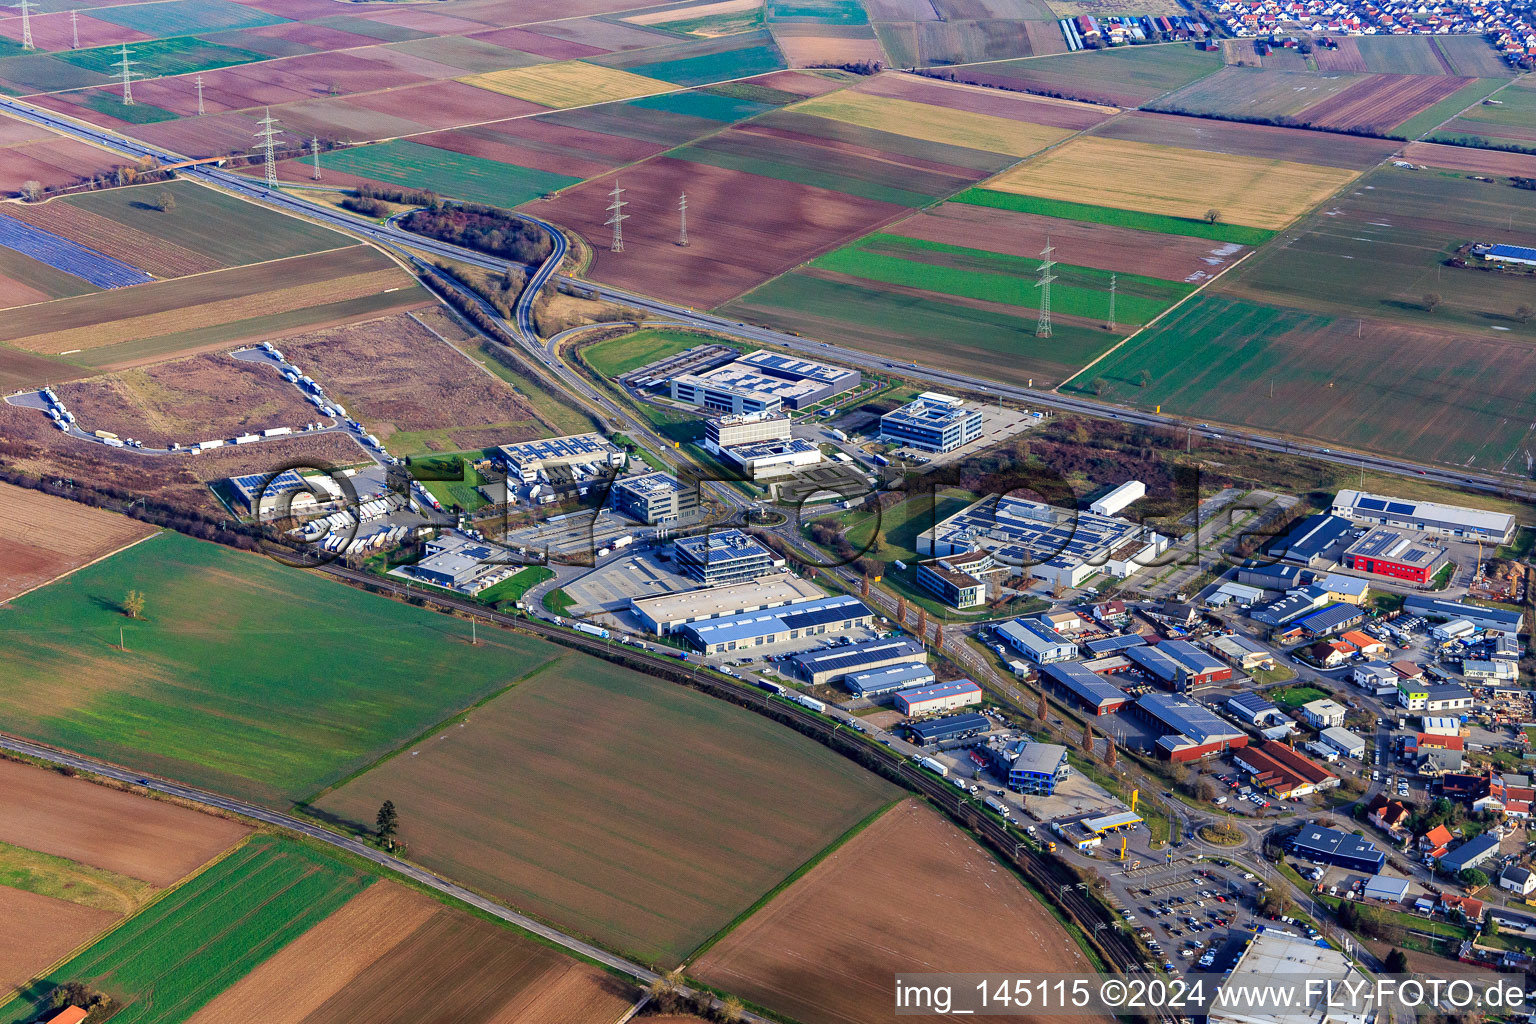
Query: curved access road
[(388, 235)]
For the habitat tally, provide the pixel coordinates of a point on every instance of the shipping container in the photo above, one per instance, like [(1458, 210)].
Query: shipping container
[(937, 767)]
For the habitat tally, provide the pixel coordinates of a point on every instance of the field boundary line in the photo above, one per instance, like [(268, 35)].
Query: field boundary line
[(15, 993), (154, 532), (794, 876), (308, 802), (1155, 320), (1475, 103)]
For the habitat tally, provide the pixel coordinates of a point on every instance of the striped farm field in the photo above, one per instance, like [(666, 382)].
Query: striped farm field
[(1175, 182), (572, 84), (150, 253), (935, 124), (164, 963), (1136, 220)]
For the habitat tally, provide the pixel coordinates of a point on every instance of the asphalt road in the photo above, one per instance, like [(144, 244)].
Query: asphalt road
[(389, 235)]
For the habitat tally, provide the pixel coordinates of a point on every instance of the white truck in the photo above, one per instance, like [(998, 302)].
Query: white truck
[(937, 767), (809, 702), (1000, 806), (590, 630)]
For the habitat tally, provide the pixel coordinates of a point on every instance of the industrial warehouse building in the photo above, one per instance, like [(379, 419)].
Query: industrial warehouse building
[(1341, 849), (1085, 687), (1316, 542), (816, 617), (932, 422), (763, 382), (279, 495), (655, 498), (1496, 620), (1385, 552), (764, 460), (956, 579), (1416, 695), (1275, 955), (832, 664), (1253, 709), (526, 459), (723, 556), (1050, 544), (1473, 853), (1335, 618), (949, 728), (1425, 517), (748, 428), (925, 700), (1037, 641), (455, 561), (1246, 654), (1285, 773), (1178, 664), (1344, 741), (666, 612), (1117, 500), (1291, 606), (878, 682), (1524, 255), (1032, 767), (1190, 731)]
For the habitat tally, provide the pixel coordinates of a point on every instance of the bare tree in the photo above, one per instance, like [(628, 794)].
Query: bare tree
[(1144, 378), (31, 191), (1523, 313), (1088, 739), (1212, 215), (1040, 709), (901, 611), (938, 638), (864, 587), (1432, 301)]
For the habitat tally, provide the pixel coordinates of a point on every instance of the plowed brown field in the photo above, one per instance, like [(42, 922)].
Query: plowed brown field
[(743, 228), (825, 948), (1382, 101), (395, 956), (150, 253), (156, 842), (43, 537), (979, 100), (1478, 161), (37, 931)]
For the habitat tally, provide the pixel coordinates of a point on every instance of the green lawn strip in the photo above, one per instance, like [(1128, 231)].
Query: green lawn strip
[(1155, 222), (1295, 696), (999, 277), (558, 602), (175, 955), (63, 879), (794, 876), (1436, 115), (715, 67), (617, 356), (513, 589)]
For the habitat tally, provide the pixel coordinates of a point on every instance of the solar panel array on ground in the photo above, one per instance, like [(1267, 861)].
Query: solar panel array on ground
[(71, 257)]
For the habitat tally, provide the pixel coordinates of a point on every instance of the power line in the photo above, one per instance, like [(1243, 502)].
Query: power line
[(74, 30), (26, 25), (198, 81), (682, 219), (314, 149), (617, 218), (125, 67), (1043, 326), (1112, 280), (268, 145)]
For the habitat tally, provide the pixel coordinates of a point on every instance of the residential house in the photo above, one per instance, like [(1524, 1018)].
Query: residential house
[(1510, 794), (1518, 880), (1330, 655), (1391, 816), (1464, 907), (1363, 642), (1323, 714), (1435, 843)]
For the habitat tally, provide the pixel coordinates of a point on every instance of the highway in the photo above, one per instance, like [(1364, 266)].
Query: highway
[(389, 235)]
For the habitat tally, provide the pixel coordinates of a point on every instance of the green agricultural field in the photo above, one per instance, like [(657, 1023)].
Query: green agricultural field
[(997, 277), (1399, 55), (632, 810), (1380, 248), (1255, 92), (63, 879), (818, 12), (881, 181), (185, 17), (1127, 74), (618, 356), (138, 113), (160, 57), (715, 67), (1512, 107), (166, 962), (1155, 222), (1370, 384), (981, 339), (471, 178), (1439, 113), (211, 223), (244, 676), (54, 283), (701, 103), (43, 72)]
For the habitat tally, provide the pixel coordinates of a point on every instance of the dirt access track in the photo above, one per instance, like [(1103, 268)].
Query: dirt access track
[(909, 893)]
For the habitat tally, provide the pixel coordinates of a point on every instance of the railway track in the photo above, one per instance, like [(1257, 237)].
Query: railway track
[(1054, 879)]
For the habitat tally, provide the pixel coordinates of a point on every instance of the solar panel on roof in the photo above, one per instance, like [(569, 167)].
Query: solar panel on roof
[(1397, 508), (1374, 504)]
